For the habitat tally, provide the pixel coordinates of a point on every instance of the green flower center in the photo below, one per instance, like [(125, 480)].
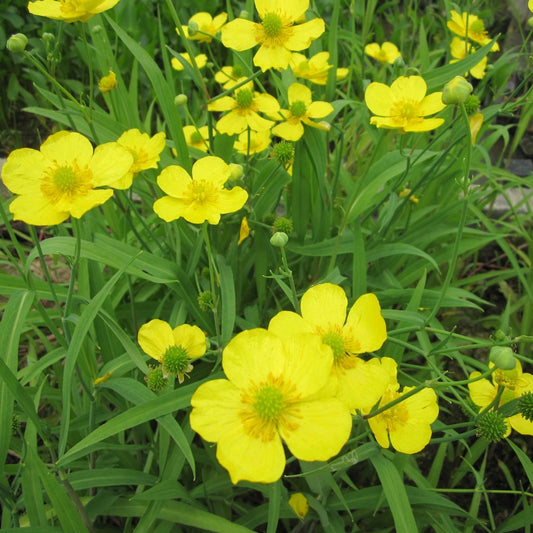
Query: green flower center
[(298, 108), (476, 26), (68, 180), (269, 403), (236, 71), (272, 24), (65, 179), (336, 342), (244, 98), (196, 137), (175, 361)]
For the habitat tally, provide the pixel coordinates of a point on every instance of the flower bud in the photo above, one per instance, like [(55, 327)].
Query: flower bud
[(236, 171), (279, 239), (284, 225), (155, 379), (192, 28), (502, 357), (96, 29), (472, 104), (48, 37), (530, 22), (525, 404), (205, 300), (283, 152), (456, 91), (17, 43), (491, 426), (244, 14), (180, 100)]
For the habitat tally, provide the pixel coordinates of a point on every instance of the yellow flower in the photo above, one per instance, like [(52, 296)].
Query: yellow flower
[(200, 198), (406, 425), (515, 383), (276, 391), (404, 105), (530, 5), (61, 178), (243, 110), (276, 34), (252, 142), (385, 53), (244, 231), (107, 83), (200, 59), (299, 505), (470, 27), (229, 76), (476, 121), (360, 383), (69, 10), (315, 69), (197, 137), (207, 25), (301, 110), (173, 348), (145, 151), (461, 49)]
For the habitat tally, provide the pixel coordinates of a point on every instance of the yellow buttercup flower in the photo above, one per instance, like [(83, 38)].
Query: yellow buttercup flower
[(229, 76), (406, 425), (515, 382), (243, 110), (252, 142), (107, 83), (145, 151), (461, 49), (207, 26), (384, 53), (360, 383), (277, 34), (276, 391), (302, 110), (70, 10), (315, 69), (63, 177), (197, 137), (470, 27), (476, 121), (299, 505), (404, 105), (200, 198), (200, 59), (173, 348)]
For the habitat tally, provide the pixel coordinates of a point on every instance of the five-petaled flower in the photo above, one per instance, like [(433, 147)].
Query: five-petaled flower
[(316, 68), (200, 198), (407, 424), (461, 49), (200, 60), (515, 383), (63, 177), (197, 137), (277, 390), (70, 10), (384, 53), (277, 34), (404, 105), (174, 348), (206, 26), (470, 27), (301, 111), (359, 383), (243, 110)]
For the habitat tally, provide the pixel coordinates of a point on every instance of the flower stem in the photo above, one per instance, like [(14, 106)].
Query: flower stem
[(213, 276)]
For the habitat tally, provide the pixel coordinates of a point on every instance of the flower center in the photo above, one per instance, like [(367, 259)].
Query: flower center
[(236, 71), (68, 180), (336, 342), (269, 403), (476, 26), (272, 25), (298, 108), (175, 360), (244, 98), (196, 137), (202, 191)]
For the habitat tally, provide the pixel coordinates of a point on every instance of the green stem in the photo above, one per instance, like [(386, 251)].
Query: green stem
[(288, 273), (213, 276)]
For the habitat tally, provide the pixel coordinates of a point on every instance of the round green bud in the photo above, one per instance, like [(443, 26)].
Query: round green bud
[(283, 224), (96, 29), (155, 379), (279, 239), (472, 104), (48, 37), (530, 22), (236, 171), (499, 335), (399, 63), (192, 28), (17, 43), (456, 91), (180, 100), (283, 152), (502, 357), (491, 426), (244, 14)]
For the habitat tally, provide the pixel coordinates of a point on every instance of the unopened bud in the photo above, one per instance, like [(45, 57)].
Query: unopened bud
[(502, 357), (279, 239), (17, 43), (192, 28), (244, 14), (180, 100), (456, 91), (48, 37), (236, 171)]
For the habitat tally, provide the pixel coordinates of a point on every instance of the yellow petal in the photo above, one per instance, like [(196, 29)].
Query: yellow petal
[(232, 200), (36, 209), (287, 323), (298, 503), (289, 130), (169, 208), (266, 103), (78, 206), (192, 338), (319, 109), (431, 104), (232, 123), (412, 87), (367, 324), (267, 57), (425, 125), (299, 93), (23, 170), (378, 98), (239, 34), (324, 305), (303, 34), (64, 147), (110, 163), (482, 392), (225, 103), (174, 180), (155, 337), (316, 430), (212, 169), (290, 11)]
